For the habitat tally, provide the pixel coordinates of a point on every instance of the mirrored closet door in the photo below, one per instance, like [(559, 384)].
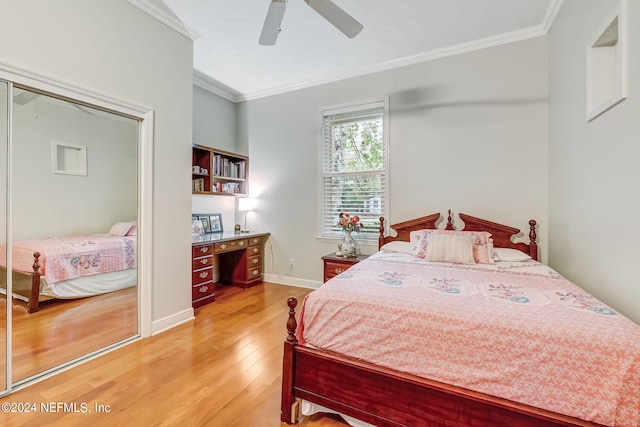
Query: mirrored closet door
[(73, 203), (4, 301)]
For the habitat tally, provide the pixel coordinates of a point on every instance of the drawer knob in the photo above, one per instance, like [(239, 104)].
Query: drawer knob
[(204, 261), (255, 241), (255, 272), (203, 289), (204, 274), (241, 242), (255, 250), (339, 270), (204, 249), (255, 260), (223, 246)]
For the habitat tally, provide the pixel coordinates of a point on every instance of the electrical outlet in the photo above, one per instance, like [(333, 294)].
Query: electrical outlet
[(292, 262)]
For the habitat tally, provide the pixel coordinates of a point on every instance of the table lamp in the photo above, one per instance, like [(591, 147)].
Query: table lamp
[(245, 205)]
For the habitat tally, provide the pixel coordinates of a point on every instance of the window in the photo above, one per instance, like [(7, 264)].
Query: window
[(355, 167)]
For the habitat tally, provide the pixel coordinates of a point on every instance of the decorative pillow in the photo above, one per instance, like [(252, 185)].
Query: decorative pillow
[(450, 248), (397, 246), (419, 242), (133, 231), (481, 248), (507, 254), (120, 229)]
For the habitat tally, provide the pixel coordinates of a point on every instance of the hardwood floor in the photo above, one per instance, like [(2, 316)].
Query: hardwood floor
[(222, 369)]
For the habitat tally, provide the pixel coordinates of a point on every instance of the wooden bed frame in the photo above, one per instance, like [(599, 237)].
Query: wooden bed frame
[(385, 397), (30, 281)]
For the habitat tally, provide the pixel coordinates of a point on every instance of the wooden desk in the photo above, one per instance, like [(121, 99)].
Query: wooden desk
[(240, 261)]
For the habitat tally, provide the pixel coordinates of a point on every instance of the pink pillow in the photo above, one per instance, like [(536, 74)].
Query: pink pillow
[(481, 247), (133, 231)]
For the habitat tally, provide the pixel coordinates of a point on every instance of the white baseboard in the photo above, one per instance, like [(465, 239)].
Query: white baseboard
[(291, 281), (171, 321)]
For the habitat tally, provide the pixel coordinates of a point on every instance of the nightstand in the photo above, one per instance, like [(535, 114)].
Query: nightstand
[(335, 264)]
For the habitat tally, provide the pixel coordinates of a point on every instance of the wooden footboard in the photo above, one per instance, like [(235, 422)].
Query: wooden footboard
[(34, 297), (28, 284), (385, 397)]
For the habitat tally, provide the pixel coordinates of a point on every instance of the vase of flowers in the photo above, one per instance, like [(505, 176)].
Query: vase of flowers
[(349, 224)]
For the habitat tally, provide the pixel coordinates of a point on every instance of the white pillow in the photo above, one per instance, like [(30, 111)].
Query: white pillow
[(397, 246), (120, 229), (507, 254), (450, 248)]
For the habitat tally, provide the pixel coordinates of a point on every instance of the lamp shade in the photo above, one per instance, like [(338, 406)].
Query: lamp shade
[(246, 204)]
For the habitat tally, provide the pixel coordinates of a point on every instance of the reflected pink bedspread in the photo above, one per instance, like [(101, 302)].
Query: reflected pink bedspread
[(518, 331), (72, 257)]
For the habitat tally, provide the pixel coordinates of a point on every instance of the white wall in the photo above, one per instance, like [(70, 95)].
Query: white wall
[(50, 204), (593, 167), (117, 50), (214, 125), (467, 133)]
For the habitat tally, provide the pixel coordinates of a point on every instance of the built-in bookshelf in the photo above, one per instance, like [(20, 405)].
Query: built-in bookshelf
[(217, 172)]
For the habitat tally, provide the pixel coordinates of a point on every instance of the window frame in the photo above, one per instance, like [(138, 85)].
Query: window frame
[(369, 239)]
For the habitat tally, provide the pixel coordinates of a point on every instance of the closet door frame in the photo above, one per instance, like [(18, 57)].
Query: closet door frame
[(145, 118)]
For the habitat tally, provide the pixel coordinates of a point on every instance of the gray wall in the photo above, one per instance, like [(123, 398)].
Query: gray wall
[(593, 167), (467, 133), (115, 49)]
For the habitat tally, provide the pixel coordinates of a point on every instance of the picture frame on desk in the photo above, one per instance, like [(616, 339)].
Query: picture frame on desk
[(215, 221), (211, 222)]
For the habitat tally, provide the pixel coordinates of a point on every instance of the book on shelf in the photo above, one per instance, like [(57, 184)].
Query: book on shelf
[(197, 184)]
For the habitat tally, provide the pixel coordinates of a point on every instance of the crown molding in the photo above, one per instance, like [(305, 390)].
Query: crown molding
[(161, 15), (207, 83), (472, 46)]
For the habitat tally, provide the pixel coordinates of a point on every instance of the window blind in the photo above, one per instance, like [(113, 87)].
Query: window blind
[(355, 168)]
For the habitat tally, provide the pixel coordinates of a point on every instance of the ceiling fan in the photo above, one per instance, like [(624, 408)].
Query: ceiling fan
[(326, 8)]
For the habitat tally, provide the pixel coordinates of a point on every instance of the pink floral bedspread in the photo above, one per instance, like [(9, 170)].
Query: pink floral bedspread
[(519, 331), (72, 257)]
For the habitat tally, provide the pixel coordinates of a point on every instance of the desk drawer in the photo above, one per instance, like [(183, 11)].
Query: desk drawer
[(202, 290), (232, 245), (254, 273), (202, 262), (254, 261), (254, 250), (199, 251), (203, 275)]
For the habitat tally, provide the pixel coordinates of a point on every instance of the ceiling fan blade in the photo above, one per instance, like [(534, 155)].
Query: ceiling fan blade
[(336, 16), (272, 22)]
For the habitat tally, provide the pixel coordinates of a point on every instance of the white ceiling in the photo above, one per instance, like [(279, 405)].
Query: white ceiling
[(311, 51)]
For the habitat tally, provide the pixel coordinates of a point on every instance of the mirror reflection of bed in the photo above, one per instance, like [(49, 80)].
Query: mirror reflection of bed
[(74, 190)]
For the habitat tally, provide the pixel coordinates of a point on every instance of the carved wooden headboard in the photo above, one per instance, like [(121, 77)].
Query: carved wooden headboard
[(502, 235)]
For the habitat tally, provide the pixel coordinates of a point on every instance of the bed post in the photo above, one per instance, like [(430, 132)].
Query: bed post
[(381, 235), (35, 284), (287, 414), (449, 221), (533, 246)]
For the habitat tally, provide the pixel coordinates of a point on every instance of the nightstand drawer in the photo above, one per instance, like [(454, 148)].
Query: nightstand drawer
[(334, 264), (332, 269)]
